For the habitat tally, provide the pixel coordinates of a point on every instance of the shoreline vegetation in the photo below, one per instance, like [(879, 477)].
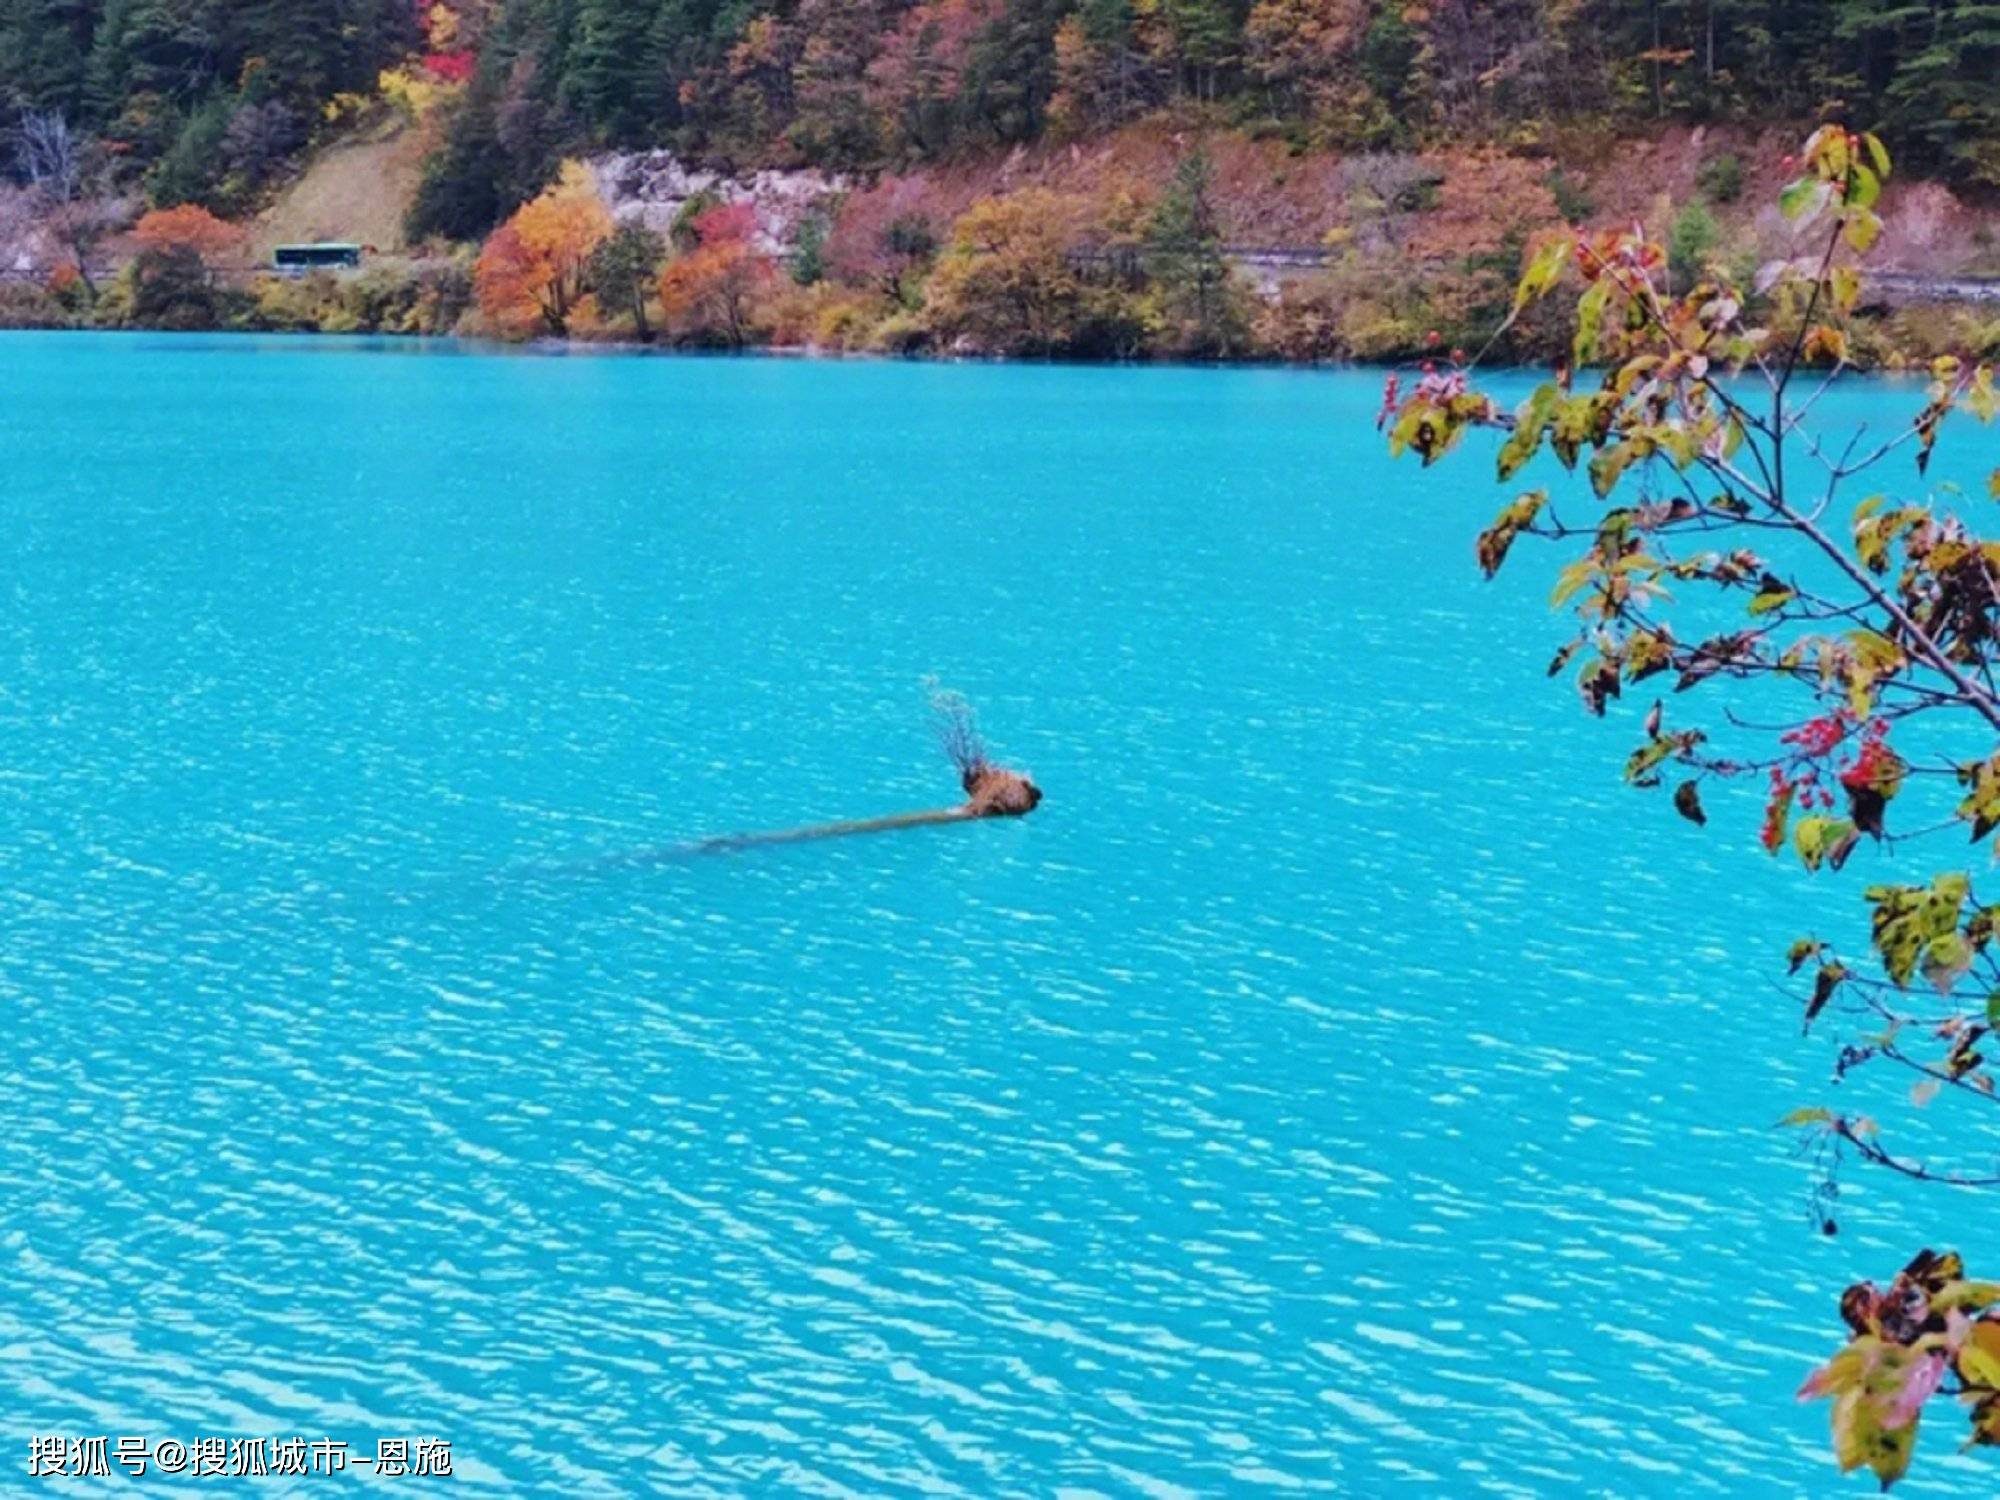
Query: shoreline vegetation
[(1268, 181), (1417, 265), (753, 305), (441, 306)]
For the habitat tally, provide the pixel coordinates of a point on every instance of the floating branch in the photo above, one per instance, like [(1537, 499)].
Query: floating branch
[(991, 791), (729, 842)]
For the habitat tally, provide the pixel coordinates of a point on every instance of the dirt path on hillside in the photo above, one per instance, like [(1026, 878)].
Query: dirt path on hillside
[(356, 190)]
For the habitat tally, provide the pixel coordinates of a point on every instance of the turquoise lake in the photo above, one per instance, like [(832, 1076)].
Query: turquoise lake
[(1341, 1084)]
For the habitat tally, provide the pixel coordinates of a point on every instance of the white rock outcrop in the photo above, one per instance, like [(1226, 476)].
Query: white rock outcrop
[(651, 188)]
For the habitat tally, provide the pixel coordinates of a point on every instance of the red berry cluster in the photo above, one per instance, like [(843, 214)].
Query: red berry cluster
[(1875, 761), (1800, 780), (1817, 737), (1804, 786), (1391, 389)]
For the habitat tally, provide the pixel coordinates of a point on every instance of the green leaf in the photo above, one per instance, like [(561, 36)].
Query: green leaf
[(1772, 593), (1981, 805), (1877, 153), (1908, 919), (1862, 1437), (1589, 316), (1543, 272), (1824, 840), (1946, 957), (1428, 430), (1650, 756), (1609, 466), (1804, 198), (1530, 423), (1494, 542), (1571, 581), (1980, 397), (1811, 1114), (1863, 229), (1575, 424), (1863, 188)]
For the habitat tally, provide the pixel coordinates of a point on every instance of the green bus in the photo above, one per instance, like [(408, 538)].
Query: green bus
[(329, 256)]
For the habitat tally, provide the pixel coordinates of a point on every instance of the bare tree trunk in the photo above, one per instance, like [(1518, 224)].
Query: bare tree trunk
[(53, 159)]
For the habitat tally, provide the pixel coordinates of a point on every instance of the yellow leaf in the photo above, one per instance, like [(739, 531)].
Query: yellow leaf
[(1980, 396), (1860, 1439), (1979, 1356), (1571, 580), (1971, 1296)]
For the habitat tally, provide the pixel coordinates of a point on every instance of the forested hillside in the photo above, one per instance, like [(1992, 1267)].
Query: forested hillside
[(1049, 177), (204, 100), (201, 100)]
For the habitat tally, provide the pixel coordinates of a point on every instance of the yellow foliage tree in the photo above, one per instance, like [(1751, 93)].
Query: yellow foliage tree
[(533, 267), (412, 92), (1008, 280)]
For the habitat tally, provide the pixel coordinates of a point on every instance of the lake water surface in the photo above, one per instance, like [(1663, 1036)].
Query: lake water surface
[(1340, 1084)]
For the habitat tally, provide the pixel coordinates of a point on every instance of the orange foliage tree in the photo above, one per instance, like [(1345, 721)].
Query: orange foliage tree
[(535, 265), (188, 227), (709, 294)]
